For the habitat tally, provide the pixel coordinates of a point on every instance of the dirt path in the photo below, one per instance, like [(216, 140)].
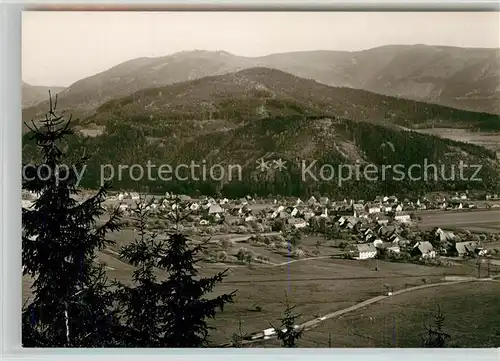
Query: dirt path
[(299, 260), (316, 321)]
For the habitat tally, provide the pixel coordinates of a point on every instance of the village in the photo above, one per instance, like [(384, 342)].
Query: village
[(386, 227)]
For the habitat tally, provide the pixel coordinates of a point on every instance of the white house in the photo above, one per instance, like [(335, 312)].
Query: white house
[(397, 208), (297, 222), (215, 208), (312, 200), (134, 195), (362, 251), (373, 209), (402, 217)]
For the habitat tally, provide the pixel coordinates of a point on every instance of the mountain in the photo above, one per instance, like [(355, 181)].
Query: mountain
[(299, 141), (241, 117), (465, 78), (256, 93), (32, 95)]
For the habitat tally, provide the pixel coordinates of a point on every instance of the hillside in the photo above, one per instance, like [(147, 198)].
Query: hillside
[(256, 93), (465, 78), (325, 139), (458, 77), (32, 95)]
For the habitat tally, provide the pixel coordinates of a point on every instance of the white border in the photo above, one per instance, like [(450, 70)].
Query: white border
[(10, 194)]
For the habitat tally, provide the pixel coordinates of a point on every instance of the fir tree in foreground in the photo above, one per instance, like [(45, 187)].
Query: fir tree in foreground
[(172, 312), (289, 332), (71, 304)]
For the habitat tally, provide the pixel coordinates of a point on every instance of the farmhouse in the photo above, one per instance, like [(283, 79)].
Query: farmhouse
[(362, 251), (444, 236), (424, 249), (389, 246), (465, 248), (297, 222), (373, 209), (215, 208), (402, 217)]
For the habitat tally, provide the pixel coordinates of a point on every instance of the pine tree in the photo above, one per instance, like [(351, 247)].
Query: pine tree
[(171, 312), (288, 332), (142, 304), (71, 303)]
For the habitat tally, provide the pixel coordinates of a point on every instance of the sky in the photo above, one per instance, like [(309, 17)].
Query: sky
[(59, 48)]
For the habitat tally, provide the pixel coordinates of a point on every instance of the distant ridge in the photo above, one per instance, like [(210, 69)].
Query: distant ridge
[(465, 78)]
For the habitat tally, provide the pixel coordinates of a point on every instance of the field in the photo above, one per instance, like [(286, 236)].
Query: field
[(400, 321), (316, 287), (475, 221), (322, 283), (487, 140)]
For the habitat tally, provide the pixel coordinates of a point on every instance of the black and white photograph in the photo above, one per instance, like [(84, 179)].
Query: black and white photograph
[(260, 179)]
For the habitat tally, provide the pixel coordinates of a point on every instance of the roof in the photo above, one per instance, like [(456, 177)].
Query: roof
[(425, 247), (295, 220), (366, 248), (465, 247), (215, 208)]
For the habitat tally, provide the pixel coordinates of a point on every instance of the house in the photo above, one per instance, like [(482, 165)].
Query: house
[(392, 199), (123, 207), (194, 206), (402, 217), (382, 220), (397, 208), (341, 220), (358, 207), (389, 246), (184, 198), (134, 195), (466, 248), (444, 236), (386, 209), (373, 209), (362, 251), (312, 200), (297, 222), (424, 249), (324, 200), (215, 208)]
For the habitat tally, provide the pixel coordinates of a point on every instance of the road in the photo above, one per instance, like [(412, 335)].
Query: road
[(316, 321), (240, 238)]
